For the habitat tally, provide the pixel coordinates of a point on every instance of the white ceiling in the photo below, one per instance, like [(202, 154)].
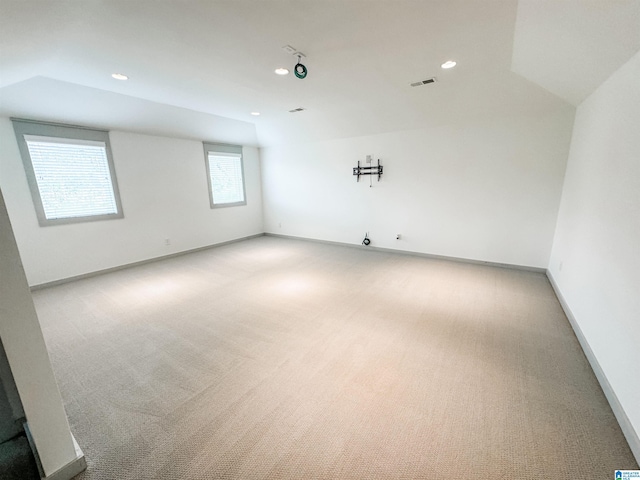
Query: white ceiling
[(570, 47), (192, 62)]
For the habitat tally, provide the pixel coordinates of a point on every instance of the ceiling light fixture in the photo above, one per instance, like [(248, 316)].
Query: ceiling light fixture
[(300, 70), (281, 71), (255, 114), (119, 76), (448, 64)]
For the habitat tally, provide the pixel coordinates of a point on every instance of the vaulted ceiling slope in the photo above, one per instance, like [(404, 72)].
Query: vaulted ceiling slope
[(570, 47), (188, 61)]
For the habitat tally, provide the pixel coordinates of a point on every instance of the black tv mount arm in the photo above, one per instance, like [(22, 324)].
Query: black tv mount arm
[(373, 170)]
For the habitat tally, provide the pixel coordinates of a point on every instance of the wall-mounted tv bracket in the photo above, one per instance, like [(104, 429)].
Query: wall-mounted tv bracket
[(372, 170)]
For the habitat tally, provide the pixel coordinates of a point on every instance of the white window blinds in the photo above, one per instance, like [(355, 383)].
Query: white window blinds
[(227, 184), (73, 177)]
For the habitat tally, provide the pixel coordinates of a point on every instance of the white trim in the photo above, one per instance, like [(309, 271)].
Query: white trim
[(625, 424), (71, 469)]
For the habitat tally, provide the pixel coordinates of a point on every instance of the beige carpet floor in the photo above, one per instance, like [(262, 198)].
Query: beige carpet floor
[(281, 359)]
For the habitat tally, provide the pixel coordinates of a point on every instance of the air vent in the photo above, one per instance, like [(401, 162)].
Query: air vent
[(299, 109), (424, 82)]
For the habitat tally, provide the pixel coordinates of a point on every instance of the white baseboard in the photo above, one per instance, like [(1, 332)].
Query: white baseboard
[(70, 470), (625, 425)]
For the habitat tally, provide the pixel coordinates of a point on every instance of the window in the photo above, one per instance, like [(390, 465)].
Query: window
[(225, 175), (70, 172)]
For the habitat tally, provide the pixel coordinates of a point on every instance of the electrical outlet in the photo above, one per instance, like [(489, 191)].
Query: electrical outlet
[(167, 241), (279, 225), (560, 267)]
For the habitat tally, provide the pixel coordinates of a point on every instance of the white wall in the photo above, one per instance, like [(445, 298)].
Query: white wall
[(28, 358), (163, 188), (485, 190), (595, 260), (11, 411)]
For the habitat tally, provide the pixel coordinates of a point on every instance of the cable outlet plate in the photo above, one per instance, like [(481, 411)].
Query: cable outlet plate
[(292, 51)]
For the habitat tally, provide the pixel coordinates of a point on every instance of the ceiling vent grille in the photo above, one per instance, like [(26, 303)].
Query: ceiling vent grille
[(295, 110), (424, 82)]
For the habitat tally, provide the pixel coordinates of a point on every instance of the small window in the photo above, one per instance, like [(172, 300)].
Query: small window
[(70, 172), (225, 175)]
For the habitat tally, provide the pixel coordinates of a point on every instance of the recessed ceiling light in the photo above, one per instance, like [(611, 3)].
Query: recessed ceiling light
[(119, 76), (255, 114), (282, 71), (448, 64)]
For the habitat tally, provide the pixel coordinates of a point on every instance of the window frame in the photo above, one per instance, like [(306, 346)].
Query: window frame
[(24, 127), (222, 149)]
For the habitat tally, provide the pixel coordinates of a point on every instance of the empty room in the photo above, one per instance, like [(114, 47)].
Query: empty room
[(341, 239)]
